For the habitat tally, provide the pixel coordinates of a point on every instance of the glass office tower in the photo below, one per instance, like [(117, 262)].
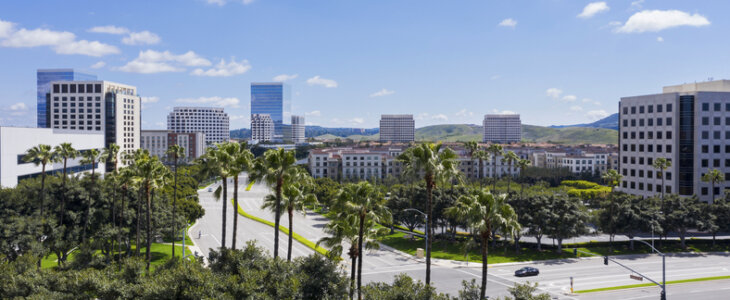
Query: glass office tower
[(44, 78), (273, 99)]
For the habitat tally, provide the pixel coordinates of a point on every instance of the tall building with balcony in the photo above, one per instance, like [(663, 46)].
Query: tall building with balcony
[(262, 128), (274, 99), (157, 142), (44, 77), (213, 122), (687, 124), (297, 129), (502, 128), (397, 128)]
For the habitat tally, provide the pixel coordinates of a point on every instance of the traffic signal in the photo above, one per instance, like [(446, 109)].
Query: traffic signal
[(605, 260), (575, 251)]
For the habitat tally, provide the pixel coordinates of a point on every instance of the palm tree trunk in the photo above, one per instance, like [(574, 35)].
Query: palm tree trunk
[(121, 224), (352, 273), (359, 259), (494, 174), (225, 205), (174, 210), (429, 212), (139, 217), (485, 253), (235, 211), (149, 228), (43, 186), (88, 203), (63, 197), (277, 216), (291, 232)]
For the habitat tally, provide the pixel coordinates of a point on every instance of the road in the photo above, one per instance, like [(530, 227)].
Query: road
[(383, 264)]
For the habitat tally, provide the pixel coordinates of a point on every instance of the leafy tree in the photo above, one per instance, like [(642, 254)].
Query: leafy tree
[(495, 150), (217, 162), (522, 164), (685, 213), (612, 178), (538, 218), (321, 278), (175, 153), (110, 155), (714, 177), (403, 287), (41, 155), (567, 220), (150, 174), (635, 215), (510, 158), (526, 291), (64, 151), (91, 156)]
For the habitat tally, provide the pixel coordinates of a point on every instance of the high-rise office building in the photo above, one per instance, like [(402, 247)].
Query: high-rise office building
[(687, 124), (297, 129), (211, 121), (502, 128), (397, 128), (43, 79), (262, 127), (157, 142), (273, 99), (97, 106)]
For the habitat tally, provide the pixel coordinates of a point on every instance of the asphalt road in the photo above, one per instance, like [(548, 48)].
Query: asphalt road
[(385, 263)]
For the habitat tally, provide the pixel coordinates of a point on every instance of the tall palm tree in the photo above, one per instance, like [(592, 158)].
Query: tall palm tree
[(522, 164), (64, 151), (218, 162), (364, 202), (714, 177), (481, 155), (125, 179), (150, 175), (484, 213), (90, 156), (175, 153), (612, 178), (110, 154), (41, 155), (241, 159), (661, 165), (510, 158), (495, 150), (296, 196), (274, 168), (437, 165)]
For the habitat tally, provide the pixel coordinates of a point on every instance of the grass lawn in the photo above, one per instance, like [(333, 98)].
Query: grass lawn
[(160, 253)]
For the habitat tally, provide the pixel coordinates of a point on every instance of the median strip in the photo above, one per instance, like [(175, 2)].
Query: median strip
[(631, 286)]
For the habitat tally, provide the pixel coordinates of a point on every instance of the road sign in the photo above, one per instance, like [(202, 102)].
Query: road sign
[(571, 284), (639, 278)]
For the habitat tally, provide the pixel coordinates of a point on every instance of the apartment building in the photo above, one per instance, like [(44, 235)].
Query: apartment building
[(157, 142), (502, 128), (262, 128), (213, 122), (397, 128), (687, 124)]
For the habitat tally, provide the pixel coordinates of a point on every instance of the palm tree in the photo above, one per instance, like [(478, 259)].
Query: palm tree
[(90, 156), (41, 155), (612, 178), (274, 168), (218, 162), (364, 202), (174, 152), (522, 164), (64, 151), (437, 165), (125, 178), (510, 158), (714, 177), (110, 155), (485, 212), (661, 165), (150, 175), (495, 150), (241, 159), (481, 155)]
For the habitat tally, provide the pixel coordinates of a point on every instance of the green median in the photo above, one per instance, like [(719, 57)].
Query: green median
[(631, 286)]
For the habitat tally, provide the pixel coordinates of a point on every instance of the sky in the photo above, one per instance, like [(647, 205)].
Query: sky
[(446, 62)]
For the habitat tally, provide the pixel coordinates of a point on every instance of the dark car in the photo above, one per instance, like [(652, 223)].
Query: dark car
[(527, 271)]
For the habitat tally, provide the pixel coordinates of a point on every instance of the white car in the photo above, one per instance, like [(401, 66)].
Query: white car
[(210, 190)]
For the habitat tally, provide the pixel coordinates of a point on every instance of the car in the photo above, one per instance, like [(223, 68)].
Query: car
[(210, 190), (527, 271)]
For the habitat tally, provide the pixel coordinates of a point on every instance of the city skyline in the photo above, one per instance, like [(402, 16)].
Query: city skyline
[(553, 62)]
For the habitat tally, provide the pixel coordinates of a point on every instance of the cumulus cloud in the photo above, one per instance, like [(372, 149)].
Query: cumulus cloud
[(98, 65), (85, 47), (314, 113), (570, 98), (509, 22), (285, 77), (440, 117), (224, 69), (658, 20), (381, 93), (18, 106), (141, 38), (588, 100), (597, 114), (6, 28), (659, 39), (592, 9), (211, 101), (316, 80), (553, 93), (636, 5), (503, 112), (464, 113), (224, 2), (109, 29), (150, 99), (151, 61), (576, 108), (62, 42)]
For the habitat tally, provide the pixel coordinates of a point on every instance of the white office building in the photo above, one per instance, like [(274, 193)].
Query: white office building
[(397, 128), (262, 128), (15, 142), (211, 121), (158, 141), (502, 128), (297, 129)]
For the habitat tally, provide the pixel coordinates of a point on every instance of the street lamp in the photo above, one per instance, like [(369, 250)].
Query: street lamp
[(663, 285), (427, 229)]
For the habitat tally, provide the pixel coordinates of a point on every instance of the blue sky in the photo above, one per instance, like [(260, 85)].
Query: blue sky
[(552, 61)]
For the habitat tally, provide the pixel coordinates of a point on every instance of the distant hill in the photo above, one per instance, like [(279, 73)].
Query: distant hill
[(243, 133), (610, 122)]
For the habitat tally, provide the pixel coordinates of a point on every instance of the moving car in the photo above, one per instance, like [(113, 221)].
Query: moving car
[(527, 271), (210, 190)]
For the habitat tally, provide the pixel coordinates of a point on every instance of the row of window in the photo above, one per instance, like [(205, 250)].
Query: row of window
[(633, 160), (650, 109), (715, 106), (76, 88), (649, 187), (649, 122), (649, 148), (649, 174)]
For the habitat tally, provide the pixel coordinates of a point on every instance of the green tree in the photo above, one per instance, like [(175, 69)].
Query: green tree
[(522, 164), (510, 158), (714, 177), (175, 153), (437, 165), (568, 219), (90, 156), (684, 213), (526, 291), (484, 213), (403, 287), (150, 174), (661, 165), (41, 155), (64, 151), (241, 160), (110, 154), (217, 162), (612, 178)]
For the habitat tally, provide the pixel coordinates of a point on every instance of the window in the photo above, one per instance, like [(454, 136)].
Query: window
[(56, 89), (669, 149), (64, 88), (650, 148), (705, 163), (705, 106), (650, 108), (716, 135), (705, 135), (626, 110), (716, 121), (659, 121), (704, 191), (717, 106), (669, 121), (641, 122), (659, 108), (705, 121), (626, 135), (649, 161), (715, 163), (641, 135), (97, 89), (626, 122), (641, 109), (659, 148), (705, 149), (633, 123), (716, 149), (650, 121), (650, 135), (633, 135), (649, 174), (633, 110), (669, 107), (669, 135), (659, 135)]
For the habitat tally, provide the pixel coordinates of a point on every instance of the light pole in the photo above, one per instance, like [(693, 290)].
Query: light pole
[(425, 216)]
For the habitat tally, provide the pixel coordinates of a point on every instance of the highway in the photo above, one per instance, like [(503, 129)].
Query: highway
[(383, 264)]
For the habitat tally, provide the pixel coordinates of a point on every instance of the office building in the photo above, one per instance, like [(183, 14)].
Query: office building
[(397, 128), (274, 99), (687, 124), (262, 128), (212, 122), (15, 142), (297, 129), (158, 141), (44, 77), (502, 129), (98, 106)]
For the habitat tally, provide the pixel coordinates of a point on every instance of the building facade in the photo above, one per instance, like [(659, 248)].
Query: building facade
[(397, 128), (15, 142), (211, 121), (274, 99), (688, 125), (112, 108), (502, 129), (298, 129), (158, 141), (262, 128), (44, 77)]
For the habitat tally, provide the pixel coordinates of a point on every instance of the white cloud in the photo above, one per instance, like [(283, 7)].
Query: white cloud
[(588, 100), (85, 47), (6, 28), (314, 113), (464, 113), (636, 5), (509, 22), (285, 77), (440, 117), (150, 99), (316, 80), (597, 114), (18, 106), (223, 69), (569, 98), (98, 65), (592, 9), (151, 61), (503, 112), (357, 121), (214, 101), (576, 108), (659, 39), (658, 20), (224, 2), (381, 93), (141, 38), (553, 93), (62, 42), (110, 29)]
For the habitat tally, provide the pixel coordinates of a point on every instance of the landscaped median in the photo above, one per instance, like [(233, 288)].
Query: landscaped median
[(631, 286)]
